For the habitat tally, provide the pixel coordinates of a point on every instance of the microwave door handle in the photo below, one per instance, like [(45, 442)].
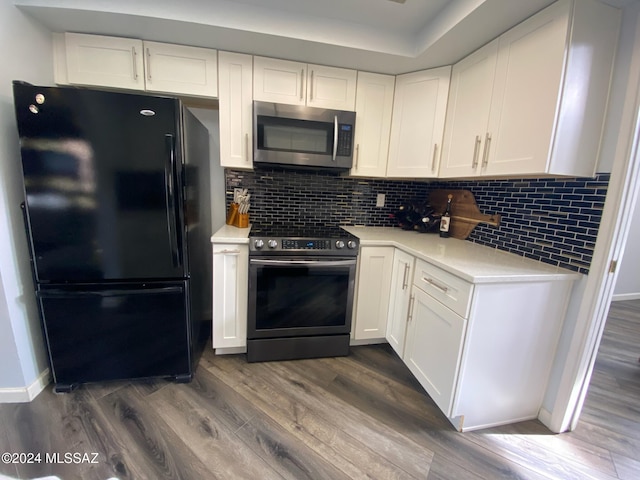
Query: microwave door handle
[(335, 137)]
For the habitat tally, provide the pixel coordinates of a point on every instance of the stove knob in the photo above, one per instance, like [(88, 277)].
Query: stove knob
[(272, 243), (339, 244), (352, 244), (258, 244)]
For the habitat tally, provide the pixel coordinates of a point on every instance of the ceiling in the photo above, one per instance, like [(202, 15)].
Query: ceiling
[(376, 35)]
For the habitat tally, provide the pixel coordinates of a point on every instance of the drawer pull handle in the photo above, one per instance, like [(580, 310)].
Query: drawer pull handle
[(430, 281), (227, 252)]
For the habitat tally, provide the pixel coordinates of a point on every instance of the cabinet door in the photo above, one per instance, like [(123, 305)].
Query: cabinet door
[(330, 87), (401, 278), (526, 91), (374, 105), (372, 294), (279, 81), (236, 108), (434, 348), (468, 113), (180, 69), (417, 128), (104, 61), (230, 284)]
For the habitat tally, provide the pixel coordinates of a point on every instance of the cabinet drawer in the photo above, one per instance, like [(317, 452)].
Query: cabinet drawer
[(450, 290)]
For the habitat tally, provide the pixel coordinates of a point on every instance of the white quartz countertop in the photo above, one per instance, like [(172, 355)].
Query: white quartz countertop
[(231, 234), (470, 261)]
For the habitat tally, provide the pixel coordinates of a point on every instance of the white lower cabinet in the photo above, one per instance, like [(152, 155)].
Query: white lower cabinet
[(435, 336), (399, 298), (372, 297), (230, 295), (482, 351)]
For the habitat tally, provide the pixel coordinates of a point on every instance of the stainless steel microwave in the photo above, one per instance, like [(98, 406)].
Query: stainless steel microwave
[(299, 136)]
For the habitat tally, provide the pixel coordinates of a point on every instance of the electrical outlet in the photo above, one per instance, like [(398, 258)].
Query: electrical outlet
[(380, 200)]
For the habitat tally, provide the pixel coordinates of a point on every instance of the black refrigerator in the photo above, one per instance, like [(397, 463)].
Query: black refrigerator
[(118, 221)]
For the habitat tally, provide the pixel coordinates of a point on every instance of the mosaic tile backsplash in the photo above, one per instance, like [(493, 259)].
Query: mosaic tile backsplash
[(553, 220)]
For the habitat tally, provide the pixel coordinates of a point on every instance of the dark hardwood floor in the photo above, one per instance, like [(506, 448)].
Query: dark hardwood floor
[(362, 416)]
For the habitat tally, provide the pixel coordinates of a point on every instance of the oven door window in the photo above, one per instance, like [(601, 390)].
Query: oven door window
[(291, 135), (301, 299)]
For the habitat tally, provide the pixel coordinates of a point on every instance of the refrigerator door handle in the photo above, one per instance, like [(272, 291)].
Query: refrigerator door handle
[(58, 293), (170, 199)]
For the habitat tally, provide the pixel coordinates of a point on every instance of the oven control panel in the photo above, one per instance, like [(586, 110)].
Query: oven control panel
[(293, 245), (303, 244)]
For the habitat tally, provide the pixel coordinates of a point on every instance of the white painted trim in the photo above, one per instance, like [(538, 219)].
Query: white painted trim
[(230, 350), (28, 393), (544, 416), (366, 341), (620, 297)]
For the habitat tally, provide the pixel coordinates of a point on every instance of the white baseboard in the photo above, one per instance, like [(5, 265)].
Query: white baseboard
[(625, 296), (28, 393)]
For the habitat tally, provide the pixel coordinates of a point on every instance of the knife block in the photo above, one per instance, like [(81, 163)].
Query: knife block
[(240, 220)]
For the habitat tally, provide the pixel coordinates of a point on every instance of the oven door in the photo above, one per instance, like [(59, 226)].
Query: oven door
[(305, 296)]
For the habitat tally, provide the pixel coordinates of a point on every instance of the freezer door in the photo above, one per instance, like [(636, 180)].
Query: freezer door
[(102, 177), (113, 332)]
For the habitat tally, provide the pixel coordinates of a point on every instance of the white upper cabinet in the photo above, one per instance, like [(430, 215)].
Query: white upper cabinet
[(468, 112), (374, 105), (135, 65), (331, 87), (235, 78), (419, 109), (294, 83), (543, 111), (105, 61), (181, 69)]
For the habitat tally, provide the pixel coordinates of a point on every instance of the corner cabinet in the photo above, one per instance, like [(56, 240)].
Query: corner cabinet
[(235, 86), (534, 100), (132, 64), (419, 108), (230, 295), (482, 351), (372, 293), (295, 83), (374, 105)]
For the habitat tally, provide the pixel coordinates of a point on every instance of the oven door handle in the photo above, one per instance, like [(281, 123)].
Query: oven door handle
[(312, 263)]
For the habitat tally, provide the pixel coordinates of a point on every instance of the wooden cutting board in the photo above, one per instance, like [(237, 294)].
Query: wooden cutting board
[(465, 214)]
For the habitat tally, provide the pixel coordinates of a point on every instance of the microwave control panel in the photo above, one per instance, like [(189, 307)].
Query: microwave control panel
[(345, 140)]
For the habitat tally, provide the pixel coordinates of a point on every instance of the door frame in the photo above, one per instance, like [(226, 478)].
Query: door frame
[(622, 194)]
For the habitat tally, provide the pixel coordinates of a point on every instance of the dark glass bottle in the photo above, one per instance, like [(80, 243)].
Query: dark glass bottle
[(445, 221)]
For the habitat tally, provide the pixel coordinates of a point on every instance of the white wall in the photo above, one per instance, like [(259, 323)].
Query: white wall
[(25, 49), (628, 281)]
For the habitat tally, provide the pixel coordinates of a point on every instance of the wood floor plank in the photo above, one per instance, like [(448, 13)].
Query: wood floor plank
[(321, 434), (211, 438), (627, 468), (61, 424), (158, 452), (289, 458)]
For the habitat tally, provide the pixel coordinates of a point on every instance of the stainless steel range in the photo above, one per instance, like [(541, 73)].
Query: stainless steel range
[(301, 285)]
